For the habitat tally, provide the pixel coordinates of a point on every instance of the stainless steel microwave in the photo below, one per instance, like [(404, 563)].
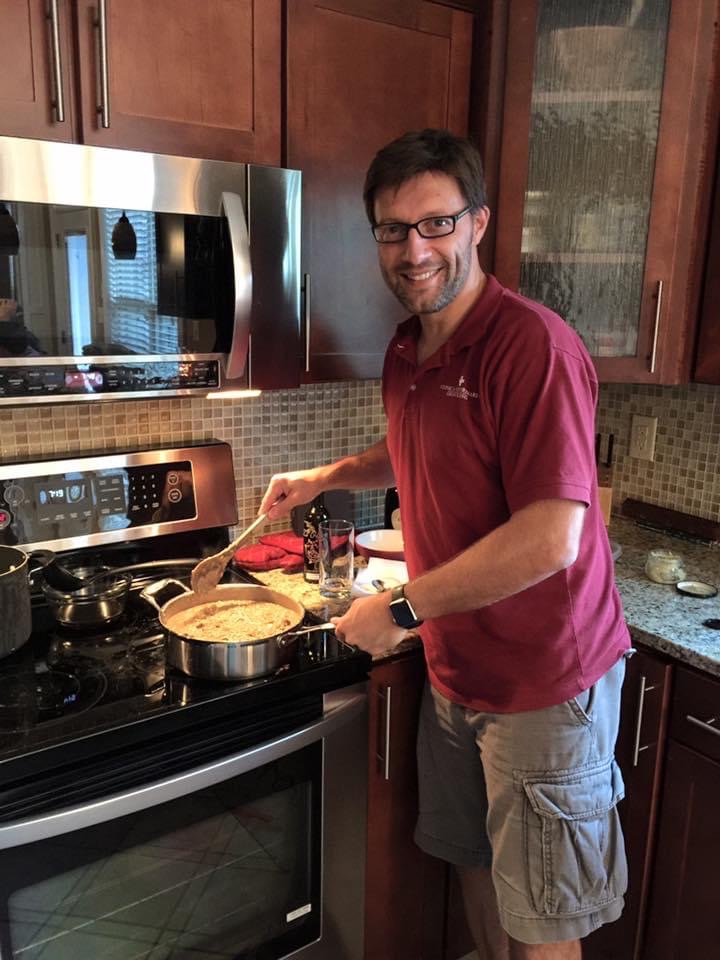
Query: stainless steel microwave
[(132, 275)]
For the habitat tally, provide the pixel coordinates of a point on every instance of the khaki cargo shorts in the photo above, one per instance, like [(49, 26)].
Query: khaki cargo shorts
[(533, 796)]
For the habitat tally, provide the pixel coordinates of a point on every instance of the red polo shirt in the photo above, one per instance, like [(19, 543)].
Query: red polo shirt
[(503, 415)]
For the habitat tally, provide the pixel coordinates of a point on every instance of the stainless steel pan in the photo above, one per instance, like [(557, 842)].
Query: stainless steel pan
[(238, 658)]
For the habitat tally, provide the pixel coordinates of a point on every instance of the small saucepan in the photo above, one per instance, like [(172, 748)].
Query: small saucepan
[(100, 601), (237, 658)]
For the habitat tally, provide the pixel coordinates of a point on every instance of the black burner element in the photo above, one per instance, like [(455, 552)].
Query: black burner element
[(28, 699)]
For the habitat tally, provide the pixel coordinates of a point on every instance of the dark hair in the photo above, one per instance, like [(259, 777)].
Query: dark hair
[(426, 151)]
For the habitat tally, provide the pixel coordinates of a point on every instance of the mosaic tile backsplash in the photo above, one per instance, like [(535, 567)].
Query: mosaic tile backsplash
[(279, 430), (292, 429), (685, 474)]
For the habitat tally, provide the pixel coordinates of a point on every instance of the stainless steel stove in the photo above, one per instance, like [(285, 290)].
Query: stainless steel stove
[(101, 743)]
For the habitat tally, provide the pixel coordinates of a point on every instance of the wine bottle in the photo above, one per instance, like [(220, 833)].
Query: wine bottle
[(392, 509), (315, 513)]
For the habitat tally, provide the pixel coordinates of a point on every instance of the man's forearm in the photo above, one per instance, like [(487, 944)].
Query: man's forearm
[(367, 470), (534, 544)]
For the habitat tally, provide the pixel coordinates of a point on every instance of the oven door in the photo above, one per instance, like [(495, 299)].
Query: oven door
[(257, 856)]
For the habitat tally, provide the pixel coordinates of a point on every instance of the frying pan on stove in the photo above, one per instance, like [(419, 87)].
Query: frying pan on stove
[(238, 658)]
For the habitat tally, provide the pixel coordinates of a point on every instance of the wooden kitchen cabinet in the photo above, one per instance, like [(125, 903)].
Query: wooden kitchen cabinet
[(684, 920), (30, 67), (403, 909), (609, 130), (640, 751), (359, 74), (171, 76), (707, 363)]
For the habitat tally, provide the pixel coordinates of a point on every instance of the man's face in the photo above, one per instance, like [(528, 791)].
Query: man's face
[(426, 275)]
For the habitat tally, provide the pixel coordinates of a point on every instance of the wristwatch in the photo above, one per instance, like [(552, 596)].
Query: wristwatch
[(401, 609)]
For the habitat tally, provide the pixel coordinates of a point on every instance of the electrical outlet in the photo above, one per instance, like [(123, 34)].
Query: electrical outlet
[(642, 437)]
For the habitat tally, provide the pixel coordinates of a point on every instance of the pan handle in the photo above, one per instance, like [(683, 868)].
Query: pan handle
[(287, 638), (161, 592)]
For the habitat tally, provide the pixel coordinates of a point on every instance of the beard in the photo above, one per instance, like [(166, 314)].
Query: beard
[(450, 280)]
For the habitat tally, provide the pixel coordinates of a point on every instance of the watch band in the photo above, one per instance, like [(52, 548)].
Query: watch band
[(401, 610)]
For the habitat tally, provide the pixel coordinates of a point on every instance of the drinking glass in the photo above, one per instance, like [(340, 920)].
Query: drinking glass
[(337, 542)]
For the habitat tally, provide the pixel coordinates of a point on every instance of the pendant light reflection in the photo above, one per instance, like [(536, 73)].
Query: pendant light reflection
[(124, 241), (9, 236)]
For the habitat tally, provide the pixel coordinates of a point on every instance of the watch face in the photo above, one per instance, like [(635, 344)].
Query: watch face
[(401, 611)]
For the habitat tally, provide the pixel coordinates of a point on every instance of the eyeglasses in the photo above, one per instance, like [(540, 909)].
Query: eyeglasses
[(428, 228)]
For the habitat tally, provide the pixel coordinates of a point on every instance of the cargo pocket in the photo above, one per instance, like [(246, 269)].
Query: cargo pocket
[(574, 849)]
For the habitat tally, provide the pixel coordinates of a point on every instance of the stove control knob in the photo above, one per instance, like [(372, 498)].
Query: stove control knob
[(14, 495)]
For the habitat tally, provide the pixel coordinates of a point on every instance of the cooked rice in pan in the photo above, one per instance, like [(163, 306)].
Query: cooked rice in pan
[(235, 621)]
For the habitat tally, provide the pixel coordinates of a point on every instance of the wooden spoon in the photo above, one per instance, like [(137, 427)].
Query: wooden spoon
[(207, 574)]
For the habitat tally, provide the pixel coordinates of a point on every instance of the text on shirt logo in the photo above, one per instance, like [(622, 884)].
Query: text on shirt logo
[(460, 391)]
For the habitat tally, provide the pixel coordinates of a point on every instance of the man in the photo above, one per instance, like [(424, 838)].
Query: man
[(490, 400)]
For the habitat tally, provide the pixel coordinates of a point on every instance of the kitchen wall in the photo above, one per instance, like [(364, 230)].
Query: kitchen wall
[(291, 429)]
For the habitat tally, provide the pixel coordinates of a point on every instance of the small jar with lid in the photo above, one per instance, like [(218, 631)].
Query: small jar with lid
[(664, 566)]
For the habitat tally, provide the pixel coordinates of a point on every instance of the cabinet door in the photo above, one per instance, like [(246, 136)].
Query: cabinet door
[(359, 74), (603, 189), (36, 97), (182, 77), (639, 751), (707, 363), (684, 920), (398, 873)]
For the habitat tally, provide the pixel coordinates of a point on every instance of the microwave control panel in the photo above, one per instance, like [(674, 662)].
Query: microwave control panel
[(111, 378), (84, 502)]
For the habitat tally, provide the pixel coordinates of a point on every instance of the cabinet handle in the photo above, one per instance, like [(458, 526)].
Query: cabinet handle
[(384, 757), (59, 101), (637, 749), (306, 319), (656, 328), (100, 24), (705, 724)]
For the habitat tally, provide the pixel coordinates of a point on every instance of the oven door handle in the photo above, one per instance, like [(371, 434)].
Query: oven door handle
[(232, 207), (341, 707)]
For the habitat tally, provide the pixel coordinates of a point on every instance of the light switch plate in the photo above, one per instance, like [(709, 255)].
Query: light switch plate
[(642, 437)]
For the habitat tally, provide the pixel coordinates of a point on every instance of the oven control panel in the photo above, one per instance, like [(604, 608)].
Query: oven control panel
[(41, 381), (72, 503)]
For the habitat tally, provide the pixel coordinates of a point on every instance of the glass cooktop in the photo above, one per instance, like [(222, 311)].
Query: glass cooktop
[(70, 692)]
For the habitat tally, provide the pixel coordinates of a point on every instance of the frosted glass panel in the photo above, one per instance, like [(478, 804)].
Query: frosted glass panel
[(595, 117)]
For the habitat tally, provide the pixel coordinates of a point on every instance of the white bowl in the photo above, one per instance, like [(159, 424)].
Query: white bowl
[(387, 544)]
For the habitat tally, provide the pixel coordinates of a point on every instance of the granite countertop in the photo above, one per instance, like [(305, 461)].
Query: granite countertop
[(658, 616), (295, 586)]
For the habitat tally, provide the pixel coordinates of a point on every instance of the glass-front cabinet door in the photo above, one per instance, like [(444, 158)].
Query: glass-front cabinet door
[(599, 179)]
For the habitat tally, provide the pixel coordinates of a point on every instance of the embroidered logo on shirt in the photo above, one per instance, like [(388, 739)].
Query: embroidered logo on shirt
[(460, 391)]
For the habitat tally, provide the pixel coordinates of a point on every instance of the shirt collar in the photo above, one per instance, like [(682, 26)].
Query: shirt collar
[(469, 332)]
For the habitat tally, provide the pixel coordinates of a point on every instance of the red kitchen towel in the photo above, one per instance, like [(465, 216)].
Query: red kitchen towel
[(287, 540), (259, 556), (291, 563)]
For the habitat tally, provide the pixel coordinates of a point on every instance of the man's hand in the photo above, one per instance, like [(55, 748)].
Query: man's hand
[(288, 490), (368, 625)]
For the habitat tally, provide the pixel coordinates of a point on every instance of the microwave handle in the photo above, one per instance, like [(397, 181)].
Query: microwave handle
[(232, 206), (342, 707)]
